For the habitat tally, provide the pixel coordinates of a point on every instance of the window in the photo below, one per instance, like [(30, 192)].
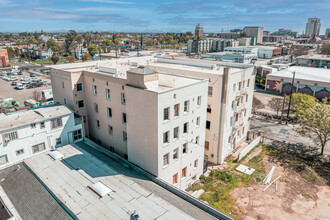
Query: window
[(110, 128), (42, 125), (186, 106), (77, 135), (210, 91), (176, 133), (185, 128), (33, 125), (238, 101), (185, 148), (64, 100), (208, 125), (174, 96), (109, 112), (94, 90), (184, 172), (56, 123), (165, 159), (38, 148), (166, 137), (176, 154), (63, 85), (244, 112), (238, 133), (207, 145), (175, 179), (229, 139), (208, 109), (236, 117), (243, 84), (194, 177), (234, 87), (81, 104), (19, 152), (176, 110), (167, 113), (232, 104), (248, 83), (124, 136), (243, 130), (196, 163), (79, 87), (199, 100), (231, 120), (198, 121), (197, 140), (97, 123), (10, 136), (123, 99), (246, 98), (107, 94), (3, 159), (96, 107), (239, 85), (124, 118), (58, 141)]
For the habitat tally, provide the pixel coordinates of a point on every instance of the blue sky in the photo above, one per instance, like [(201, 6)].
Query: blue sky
[(159, 15)]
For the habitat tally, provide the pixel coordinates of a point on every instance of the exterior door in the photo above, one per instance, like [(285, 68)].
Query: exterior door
[(70, 135)]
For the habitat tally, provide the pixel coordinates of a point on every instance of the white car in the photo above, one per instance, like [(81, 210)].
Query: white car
[(35, 79), (19, 86), (25, 81), (25, 78), (13, 78)]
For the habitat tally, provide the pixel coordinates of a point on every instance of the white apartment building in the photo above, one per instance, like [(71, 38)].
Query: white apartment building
[(155, 119), (229, 104), (27, 133)]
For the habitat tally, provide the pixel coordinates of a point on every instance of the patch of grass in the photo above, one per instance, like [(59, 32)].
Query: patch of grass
[(49, 62), (306, 195)]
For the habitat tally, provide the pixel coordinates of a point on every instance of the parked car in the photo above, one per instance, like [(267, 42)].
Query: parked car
[(25, 78), (46, 83), (35, 79), (14, 83), (19, 86), (26, 81), (32, 74), (33, 85), (20, 73), (13, 78)]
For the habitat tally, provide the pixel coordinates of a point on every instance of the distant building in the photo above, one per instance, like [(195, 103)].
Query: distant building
[(232, 35), (256, 32), (26, 133), (4, 60), (199, 31), (288, 32), (313, 81), (264, 52), (272, 38), (313, 26), (208, 45), (327, 33), (244, 41), (316, 60), (239, 31)]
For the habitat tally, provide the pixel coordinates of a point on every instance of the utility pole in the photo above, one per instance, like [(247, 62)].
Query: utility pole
[(287, 117), (283, 108)]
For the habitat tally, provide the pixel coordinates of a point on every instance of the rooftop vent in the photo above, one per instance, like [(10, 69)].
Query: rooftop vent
[(100, 189)]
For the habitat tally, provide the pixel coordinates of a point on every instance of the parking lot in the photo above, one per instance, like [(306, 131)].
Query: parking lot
[(9, 91)]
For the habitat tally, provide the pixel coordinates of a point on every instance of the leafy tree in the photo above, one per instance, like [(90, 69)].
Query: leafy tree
[(314, 122), (33, 41), (301, 101), (93, 49), (108, 42), (86, 57), (19, 42), (276, 104), (55, 58), (53, 45), (256, 104), (71, 59), (117, 41)]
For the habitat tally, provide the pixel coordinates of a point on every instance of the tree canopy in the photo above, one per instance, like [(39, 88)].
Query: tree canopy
[(93, 49), (53, 45)]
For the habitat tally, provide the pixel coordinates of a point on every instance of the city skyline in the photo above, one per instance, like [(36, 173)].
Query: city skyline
[(143, 16)]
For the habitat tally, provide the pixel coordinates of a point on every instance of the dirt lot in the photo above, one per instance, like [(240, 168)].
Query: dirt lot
[(8, 91), (303, 190), (265, 98), (296, 198)]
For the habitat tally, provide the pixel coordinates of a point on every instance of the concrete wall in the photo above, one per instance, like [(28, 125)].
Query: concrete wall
[(254, 143)]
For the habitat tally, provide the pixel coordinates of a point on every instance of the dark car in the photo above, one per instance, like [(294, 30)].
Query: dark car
[(34, 85), (32, 75), (20, 73), (14, 83)]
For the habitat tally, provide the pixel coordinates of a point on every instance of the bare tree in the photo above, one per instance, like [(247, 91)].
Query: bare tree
[(2, 105), (257, 104), (36, 95), (276, 104), (300, 51)]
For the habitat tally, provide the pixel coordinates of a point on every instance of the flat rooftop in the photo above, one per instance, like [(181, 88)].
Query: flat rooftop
[(315, 57), (69, 179), (304, 73), (25, 117)]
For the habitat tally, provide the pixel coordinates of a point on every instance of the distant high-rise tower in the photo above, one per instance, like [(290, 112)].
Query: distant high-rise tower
[(313, 26), (199, 32)]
